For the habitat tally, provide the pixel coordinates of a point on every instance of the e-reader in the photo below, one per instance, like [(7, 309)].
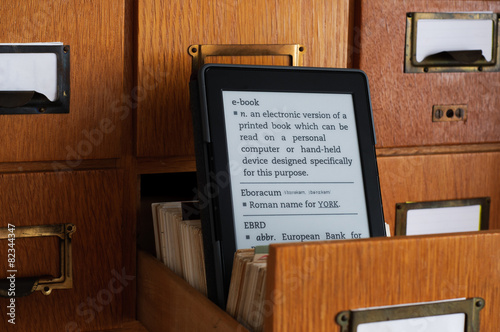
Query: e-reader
[(284, 154)]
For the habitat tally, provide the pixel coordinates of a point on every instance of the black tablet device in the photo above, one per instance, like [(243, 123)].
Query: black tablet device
[(284, 154)]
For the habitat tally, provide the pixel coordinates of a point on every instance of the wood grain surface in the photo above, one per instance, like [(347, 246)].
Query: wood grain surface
[(165, 302), (133, 326), (402, 103), (438, 149), (167, 28), (94, 30), (92, 200), (440, 177), (166, 165), (309, 284), (129, 97)]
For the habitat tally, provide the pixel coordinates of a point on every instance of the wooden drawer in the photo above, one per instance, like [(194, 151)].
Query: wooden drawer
[(167, 28), (430, 177), (92, 129), (308, 284), (402, 102), (92, 201), (165, 302)]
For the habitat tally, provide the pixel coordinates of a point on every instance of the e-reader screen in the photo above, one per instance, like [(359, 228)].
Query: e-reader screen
[(284, 154), (296, 172)]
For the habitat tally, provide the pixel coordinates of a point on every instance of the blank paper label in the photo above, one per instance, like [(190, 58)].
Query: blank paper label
[(435, 36), (443, 323), (443, 220), (29, 72)]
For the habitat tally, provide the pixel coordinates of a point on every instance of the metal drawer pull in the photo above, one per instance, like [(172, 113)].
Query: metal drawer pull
[(200, 51), (26, 286)]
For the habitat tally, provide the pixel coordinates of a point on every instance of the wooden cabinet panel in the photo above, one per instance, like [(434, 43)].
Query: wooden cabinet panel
[(93, 201), (402, 103), (308, 285), (167, 28), (440, 177), (95, 32), (166, 302)]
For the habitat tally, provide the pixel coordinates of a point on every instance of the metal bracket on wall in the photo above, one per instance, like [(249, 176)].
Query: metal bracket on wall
[(201, 52), (26, 286)]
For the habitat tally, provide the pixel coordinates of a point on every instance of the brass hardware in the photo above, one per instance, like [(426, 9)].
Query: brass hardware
[(447, 113), (32, 102), (45, 285), (200, 52), (350, 320), (402, 210), (461, 61)]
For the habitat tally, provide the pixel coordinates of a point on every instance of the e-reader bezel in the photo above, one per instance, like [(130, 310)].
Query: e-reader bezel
[(216, 78)]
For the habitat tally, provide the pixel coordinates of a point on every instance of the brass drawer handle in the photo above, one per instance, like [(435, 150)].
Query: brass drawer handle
[(26, 286), (200, 52)]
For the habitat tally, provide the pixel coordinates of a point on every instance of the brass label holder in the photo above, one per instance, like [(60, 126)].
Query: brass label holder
[(402, 210), (350, 320), (200, 52), (465, 61), (33, 102), (43, 284)]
